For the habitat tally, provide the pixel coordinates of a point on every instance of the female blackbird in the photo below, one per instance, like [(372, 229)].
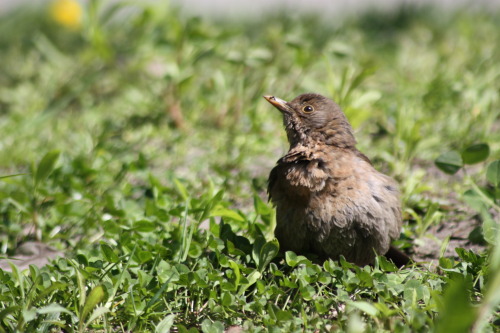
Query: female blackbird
[(329, 199)]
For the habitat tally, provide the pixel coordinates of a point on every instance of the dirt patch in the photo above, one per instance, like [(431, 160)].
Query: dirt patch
[(460, 229), (31, 253)]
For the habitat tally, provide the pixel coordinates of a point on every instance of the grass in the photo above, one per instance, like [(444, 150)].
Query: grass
[(138, 144)]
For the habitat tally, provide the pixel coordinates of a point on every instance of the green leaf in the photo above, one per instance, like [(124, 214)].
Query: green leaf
[(491, 301), (227, 299), (182, 329), (213, 202), (495, 257), (96, 314), (253, 277), (165, 325), (445, 263), (226, 212), (366, 307), (257, 246), (292, 259), (449, 162), (109, 254), (13, 175), (386, 265), (456, 313), (28, 314), (55, 286), (493, 173), (212, 327), (236, 272), (54, 308), (267, 253), (491, 298), (8, 311), (475, 153), (81, 286), (181, 189), (96, 296), (415, 291), (474, 200), (261, 207), (490, 227), (479, 203), (144, 256), (144, 226), (18, 277), (195, 250), (284, 316), (307, 292), (476, 236), (46, 166)]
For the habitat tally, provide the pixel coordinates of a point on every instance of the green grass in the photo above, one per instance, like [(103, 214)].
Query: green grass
[(130, 133)]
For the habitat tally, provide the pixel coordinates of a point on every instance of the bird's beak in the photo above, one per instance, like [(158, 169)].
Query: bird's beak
[(278, 103)]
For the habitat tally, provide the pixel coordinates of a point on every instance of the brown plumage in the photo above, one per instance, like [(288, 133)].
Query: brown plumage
[(329, 199)]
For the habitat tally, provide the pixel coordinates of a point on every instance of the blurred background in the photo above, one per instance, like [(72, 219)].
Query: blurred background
[(229, 8)]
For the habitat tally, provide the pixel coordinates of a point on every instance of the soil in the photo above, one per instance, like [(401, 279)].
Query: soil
[(461, 226), (458, 234)]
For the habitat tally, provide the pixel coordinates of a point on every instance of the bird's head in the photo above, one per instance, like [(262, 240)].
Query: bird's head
[(314, 118)]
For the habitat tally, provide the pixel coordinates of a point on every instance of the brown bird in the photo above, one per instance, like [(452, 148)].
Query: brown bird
[(329, 198)]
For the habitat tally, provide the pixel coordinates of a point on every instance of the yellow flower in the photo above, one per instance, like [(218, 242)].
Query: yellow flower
[(67, 13)]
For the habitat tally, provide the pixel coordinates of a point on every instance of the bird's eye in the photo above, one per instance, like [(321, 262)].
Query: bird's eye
[(308, 109)]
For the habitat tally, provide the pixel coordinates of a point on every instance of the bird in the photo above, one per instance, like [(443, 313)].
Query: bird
[(330, 200)]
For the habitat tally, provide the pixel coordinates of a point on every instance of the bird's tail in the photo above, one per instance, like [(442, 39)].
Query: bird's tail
[(398, 257)]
